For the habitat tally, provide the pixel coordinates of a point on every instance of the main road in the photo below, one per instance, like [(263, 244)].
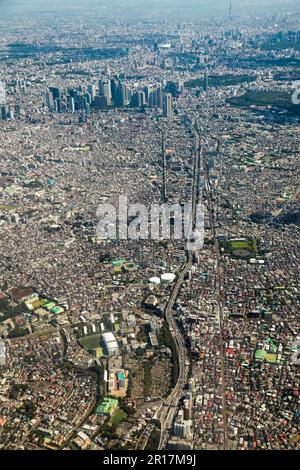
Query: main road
[(167, 410), (220, 309)]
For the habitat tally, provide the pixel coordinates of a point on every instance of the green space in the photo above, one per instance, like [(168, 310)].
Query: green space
[(118, 262), (18, 332), (239, 244), (90, 342), (9, 310), (50, 305), (220, 80), (141, 335), (267, 61), (107, 406), (240, 248), (116, 418), (290, 75), (17, 390), (165, 339), (284, 44), (57, 310), (277, 99), (270, 356), (153, 441), (147, 378)]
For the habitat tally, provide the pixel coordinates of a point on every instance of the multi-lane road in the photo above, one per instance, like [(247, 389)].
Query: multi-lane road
[(168, 409), (219, 309)]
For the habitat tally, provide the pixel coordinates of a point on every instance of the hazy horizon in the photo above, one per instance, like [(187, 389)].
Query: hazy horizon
[(126, 8)]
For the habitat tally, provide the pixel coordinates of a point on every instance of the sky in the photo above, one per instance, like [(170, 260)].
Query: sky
[(121, 8)]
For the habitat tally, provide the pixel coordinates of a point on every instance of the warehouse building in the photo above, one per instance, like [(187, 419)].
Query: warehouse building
[(110, 343)]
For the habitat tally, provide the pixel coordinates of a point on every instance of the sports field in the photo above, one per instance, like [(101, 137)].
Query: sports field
[(90, 342)]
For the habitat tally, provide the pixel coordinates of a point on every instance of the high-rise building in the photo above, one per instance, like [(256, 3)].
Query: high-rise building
[(57, 104), (71, 104), (49, 101), (114, 86), (159, 95), (124, 95), (55, 92), (2, 94), (101, 87), (168, 106), (152, 99), (4, 112), (141, 99), (10, 114), (92, 91), (17, 111), (107, 92)]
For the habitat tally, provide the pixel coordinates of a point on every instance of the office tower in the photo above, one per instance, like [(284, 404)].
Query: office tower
[(49, 101), (57, 105), (205, 81), (124, 95), (107, 92), (73, 93), (55, 92), (10, 114), (159, 96), (2, 94), (100, 102), (92, 91), (141, 99), (17, 111), (88, 97), (152, 99), (105, 89), (71, 104), (134, 100), (114, 86), (85, 101), (101, 87), (4, 112), (147, 91), (168, 106)]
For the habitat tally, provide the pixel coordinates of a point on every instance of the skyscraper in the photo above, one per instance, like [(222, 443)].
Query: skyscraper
[(4, 112), (159, 97), (107, 92), (49, 101), (71, 104), (168, 106), (92, 91), (2, 94)]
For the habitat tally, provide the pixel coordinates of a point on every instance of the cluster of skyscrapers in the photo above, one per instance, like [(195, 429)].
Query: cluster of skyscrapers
[(10, 112), (112, 93)]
